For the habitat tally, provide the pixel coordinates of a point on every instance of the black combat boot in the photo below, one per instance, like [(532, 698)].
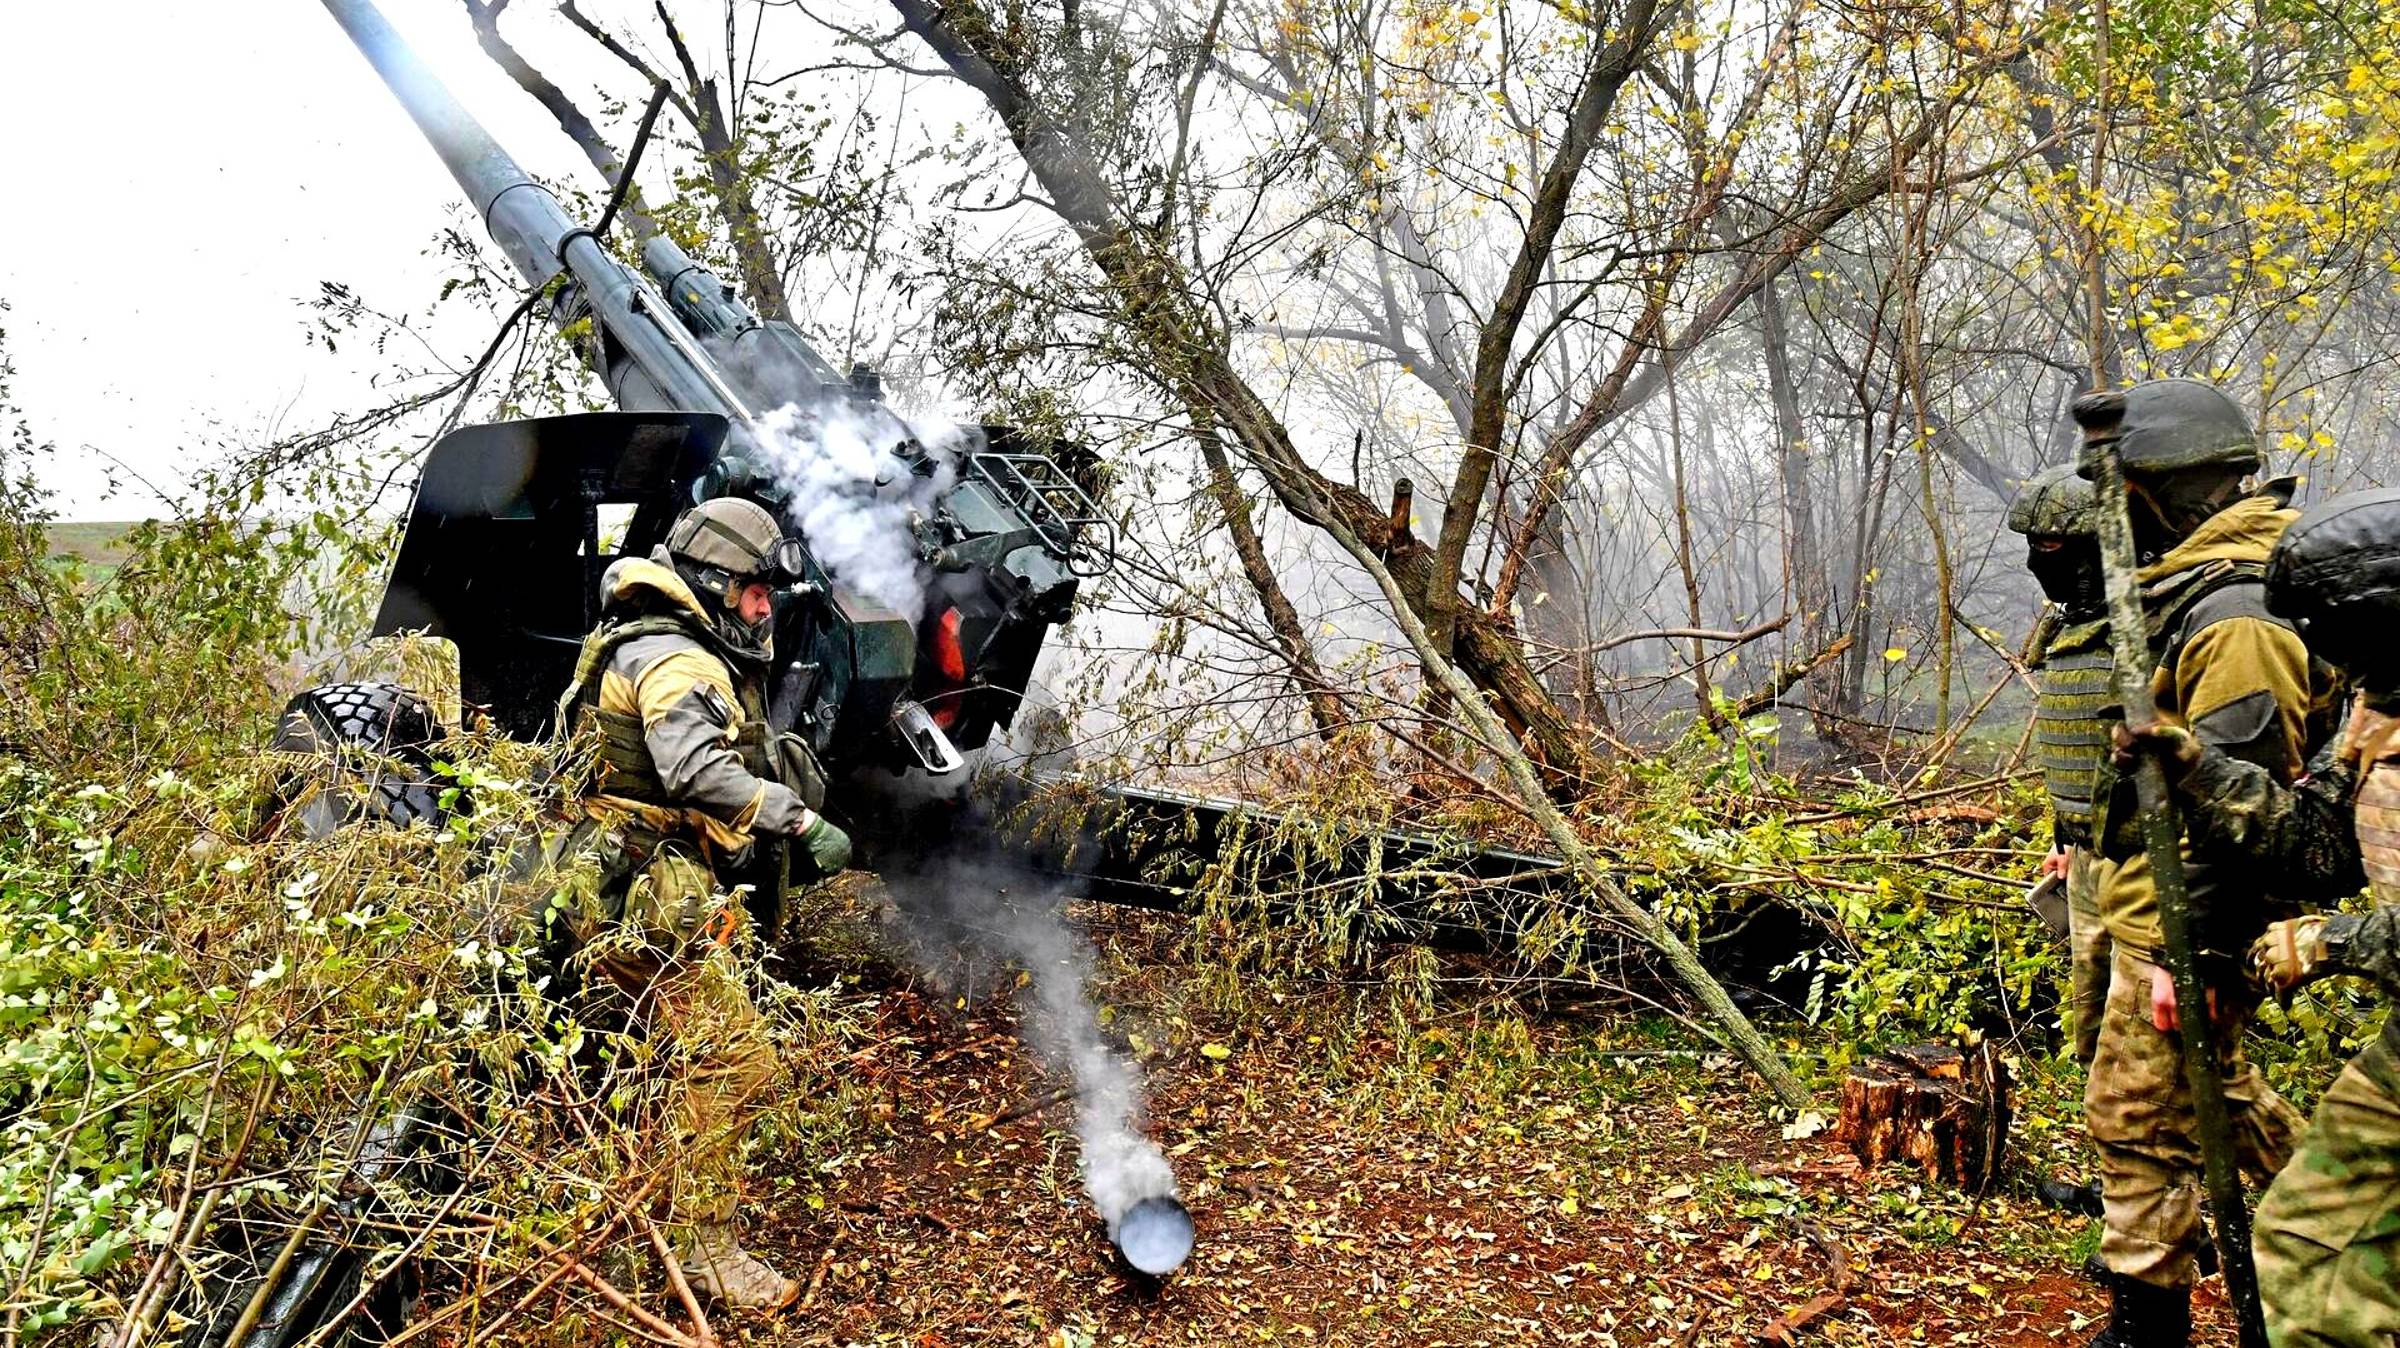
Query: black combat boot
[(2145, 1315), (2081, 1199)]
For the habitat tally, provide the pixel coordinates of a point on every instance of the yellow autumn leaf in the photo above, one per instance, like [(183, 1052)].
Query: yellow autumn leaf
[(1218, 1052), (1895, 653)]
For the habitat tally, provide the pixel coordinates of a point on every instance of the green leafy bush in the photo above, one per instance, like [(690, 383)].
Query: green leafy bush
[(202, 1012)]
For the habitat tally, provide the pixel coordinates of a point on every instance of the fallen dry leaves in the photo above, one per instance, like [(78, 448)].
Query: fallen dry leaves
[(1603, 1196)]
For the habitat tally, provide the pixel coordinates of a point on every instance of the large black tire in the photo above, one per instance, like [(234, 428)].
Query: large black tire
[(360, 752)]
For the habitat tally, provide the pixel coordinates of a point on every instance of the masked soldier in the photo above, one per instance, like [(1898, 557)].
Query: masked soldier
[(2328, 1234), (2239, 678), (685, 814), (2054, 513)]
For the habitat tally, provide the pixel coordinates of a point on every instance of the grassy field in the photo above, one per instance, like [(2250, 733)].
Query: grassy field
[(99, 544)]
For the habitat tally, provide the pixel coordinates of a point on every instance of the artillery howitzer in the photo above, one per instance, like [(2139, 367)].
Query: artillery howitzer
[(504, 545), (513, 525)]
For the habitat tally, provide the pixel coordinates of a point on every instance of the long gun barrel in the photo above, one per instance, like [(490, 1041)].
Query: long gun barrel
[(699, 377), (651, 363)]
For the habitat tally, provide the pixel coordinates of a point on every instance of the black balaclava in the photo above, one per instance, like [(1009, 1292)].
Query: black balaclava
[(2068, 570), (715, 589), (2168, 507)]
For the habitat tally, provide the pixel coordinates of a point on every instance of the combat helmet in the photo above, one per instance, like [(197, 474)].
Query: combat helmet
[(2176, 424), (2335, 576), (2053, 503), (721, 545), (2055, 512)]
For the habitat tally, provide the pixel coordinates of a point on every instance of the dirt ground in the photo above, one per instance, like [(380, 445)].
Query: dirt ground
[(1562, 1177), (1487, 1168)]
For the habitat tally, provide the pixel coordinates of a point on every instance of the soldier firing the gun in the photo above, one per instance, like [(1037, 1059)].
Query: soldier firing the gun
[(689, 814)]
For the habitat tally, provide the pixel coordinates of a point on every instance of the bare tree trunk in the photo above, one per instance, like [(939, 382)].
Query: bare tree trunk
[(1324, 705), (1701, 692), (2100, 335), (1910, 266), (1558, 616), (1803, 553), (1875, 481)]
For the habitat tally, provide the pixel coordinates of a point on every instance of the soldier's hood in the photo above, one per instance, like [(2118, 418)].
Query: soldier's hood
[(2242, 532), (647, 582)]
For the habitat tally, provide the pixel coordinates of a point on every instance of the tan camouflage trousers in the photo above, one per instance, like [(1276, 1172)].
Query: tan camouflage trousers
[(2138, 1110), (665, 970), (2328, 1233), (2088, 947)]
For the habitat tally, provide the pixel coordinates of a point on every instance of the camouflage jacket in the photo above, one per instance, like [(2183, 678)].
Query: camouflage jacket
[(2236, 811), (2308, 833)]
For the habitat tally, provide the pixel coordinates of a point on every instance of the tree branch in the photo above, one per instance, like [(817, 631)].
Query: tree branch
[(1746, 635), (485, 17), (1488, 385)]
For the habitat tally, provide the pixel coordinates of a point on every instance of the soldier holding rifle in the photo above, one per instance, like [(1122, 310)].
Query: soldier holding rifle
[(2185, 538)]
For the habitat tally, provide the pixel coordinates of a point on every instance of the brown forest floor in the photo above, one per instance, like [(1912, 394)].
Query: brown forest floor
[(1564, 1177)]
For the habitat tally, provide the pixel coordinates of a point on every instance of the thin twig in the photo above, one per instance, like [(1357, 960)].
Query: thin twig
[(613, 1297), (1015, 1112), (1913, 798), (676, 1280)]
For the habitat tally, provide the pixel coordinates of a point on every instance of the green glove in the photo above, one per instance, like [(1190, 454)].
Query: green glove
[(827, 846)]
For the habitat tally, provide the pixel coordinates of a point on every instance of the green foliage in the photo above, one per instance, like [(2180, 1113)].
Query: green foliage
[(2300, 1043), (1923, 935), (166, 979), (201, 1012)]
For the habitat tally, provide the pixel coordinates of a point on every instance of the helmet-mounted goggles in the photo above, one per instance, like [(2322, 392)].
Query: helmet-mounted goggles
[(785, 564)]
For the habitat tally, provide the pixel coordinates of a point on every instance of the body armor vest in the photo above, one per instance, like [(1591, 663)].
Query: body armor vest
[(622, 766), (2072, 715)]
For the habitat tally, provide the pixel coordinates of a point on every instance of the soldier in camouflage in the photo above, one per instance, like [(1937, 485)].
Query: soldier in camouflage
[(685, 813), (2072, 716), (2239, 678), (2327, 1236)]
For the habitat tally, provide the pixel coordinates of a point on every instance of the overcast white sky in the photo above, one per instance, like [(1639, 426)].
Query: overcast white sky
[(177, 178)]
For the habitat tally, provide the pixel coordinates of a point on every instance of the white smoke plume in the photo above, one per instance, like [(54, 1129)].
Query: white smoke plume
[(965, 917), (1121, 1165), (969, 911), (852, 494)]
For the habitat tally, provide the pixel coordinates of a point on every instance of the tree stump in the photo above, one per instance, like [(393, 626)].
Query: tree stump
[(1940, 1108)]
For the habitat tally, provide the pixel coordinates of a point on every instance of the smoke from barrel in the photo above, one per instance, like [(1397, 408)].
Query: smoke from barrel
[(1155, 1235), (1124, 1172)]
